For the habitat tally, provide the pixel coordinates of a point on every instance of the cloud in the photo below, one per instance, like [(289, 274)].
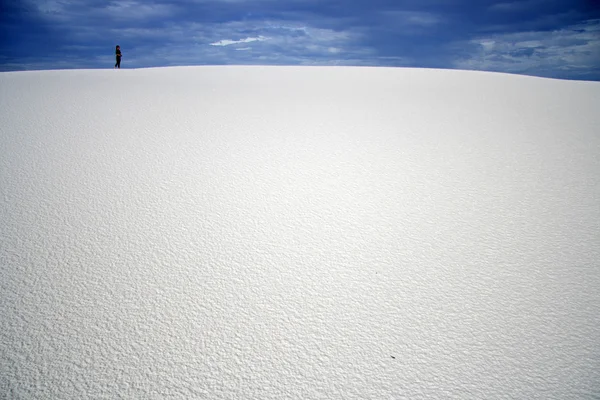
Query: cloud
[(528, 36), (412, 18), (81, 12), (49, 6), (138, 10), (51, 10), (518, 6), (573, 50), (277, 42), (228, 42)]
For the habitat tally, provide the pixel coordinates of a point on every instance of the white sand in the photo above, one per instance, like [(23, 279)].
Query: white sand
[(302, 233)]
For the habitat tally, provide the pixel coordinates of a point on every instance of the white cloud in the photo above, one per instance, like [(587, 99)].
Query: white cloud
[(132, 24), (487, 44), (575, 48), (411, 19), (73, 11), (228, 42), (53, 10), (306, 37), (516, 6), (138, 10), (279, 42), (422, 19), (530, 44), (49, 6)]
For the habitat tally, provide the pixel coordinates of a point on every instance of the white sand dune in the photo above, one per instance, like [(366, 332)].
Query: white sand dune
[(302, 233)]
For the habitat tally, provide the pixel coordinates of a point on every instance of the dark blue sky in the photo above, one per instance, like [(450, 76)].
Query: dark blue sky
[(552, 38)]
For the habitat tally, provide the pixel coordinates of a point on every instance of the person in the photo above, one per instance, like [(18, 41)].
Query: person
[(118, 54)]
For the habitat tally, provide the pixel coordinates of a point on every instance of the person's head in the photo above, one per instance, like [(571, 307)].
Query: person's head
[(118, 47)]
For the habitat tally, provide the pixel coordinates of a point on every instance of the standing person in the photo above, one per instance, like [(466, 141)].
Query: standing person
[(118, 54)]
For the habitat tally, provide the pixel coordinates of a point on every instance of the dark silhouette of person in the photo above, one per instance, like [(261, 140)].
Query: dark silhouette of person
[(118, 54)]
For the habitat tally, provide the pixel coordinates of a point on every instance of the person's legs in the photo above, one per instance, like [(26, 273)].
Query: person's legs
[(118, 64)]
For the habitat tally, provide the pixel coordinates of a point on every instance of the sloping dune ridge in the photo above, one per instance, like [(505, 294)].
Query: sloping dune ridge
[(299, 233)]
